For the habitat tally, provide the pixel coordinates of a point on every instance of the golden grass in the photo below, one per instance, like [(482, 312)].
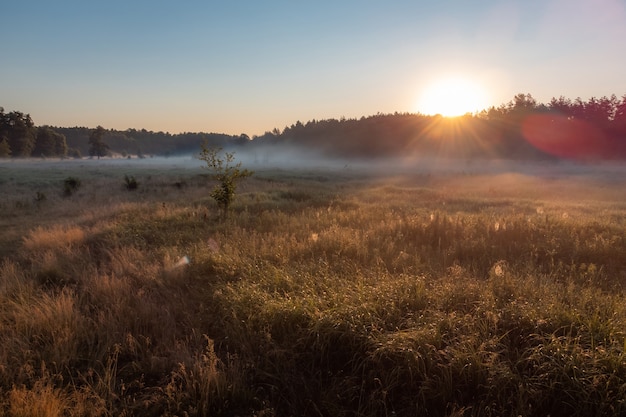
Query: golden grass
[(41, 401), (428, 295), (55, 237)]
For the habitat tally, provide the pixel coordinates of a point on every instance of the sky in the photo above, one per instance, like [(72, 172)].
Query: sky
[(251, 66)]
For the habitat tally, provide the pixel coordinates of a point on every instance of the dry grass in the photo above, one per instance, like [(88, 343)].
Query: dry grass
[(327, 293)]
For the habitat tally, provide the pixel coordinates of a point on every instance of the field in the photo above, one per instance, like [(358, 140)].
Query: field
[(478, 290)]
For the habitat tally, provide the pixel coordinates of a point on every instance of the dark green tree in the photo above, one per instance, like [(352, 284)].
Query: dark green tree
[(522, 104), (562, 106), (97, 146), (19, 131), (49, 143), (5, 148), (225, 172)]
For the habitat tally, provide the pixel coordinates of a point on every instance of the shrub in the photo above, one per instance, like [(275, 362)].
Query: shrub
[(226, 174), (130, 183), (70, 185), (74, 153)]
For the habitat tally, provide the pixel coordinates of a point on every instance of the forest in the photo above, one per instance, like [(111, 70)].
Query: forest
[(520, 129)]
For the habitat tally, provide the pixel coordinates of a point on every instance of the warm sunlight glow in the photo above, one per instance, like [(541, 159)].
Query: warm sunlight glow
[(452, 97)]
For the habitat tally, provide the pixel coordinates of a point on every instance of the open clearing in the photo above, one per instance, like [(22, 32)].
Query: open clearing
[(463, 288)]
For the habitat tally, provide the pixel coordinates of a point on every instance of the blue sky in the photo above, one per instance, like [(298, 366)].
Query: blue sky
[(249, 66)]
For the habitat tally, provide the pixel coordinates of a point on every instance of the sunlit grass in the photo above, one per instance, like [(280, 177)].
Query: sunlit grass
[(318, 295)]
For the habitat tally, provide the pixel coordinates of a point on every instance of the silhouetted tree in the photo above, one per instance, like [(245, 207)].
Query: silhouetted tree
[(620, 117), (600, 111), (561, 106), (97, 146), (19, 131), (578, 109), (522, 104), (49, 143)]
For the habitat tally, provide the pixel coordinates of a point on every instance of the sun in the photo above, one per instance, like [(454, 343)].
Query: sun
[(451, 97)]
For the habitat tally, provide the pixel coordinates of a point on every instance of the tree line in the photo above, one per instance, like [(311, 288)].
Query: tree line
[(20, 138), (520, 129), (142, 142)]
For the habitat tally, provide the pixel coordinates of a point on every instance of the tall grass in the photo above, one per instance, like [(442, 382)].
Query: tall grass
[(319, 295)]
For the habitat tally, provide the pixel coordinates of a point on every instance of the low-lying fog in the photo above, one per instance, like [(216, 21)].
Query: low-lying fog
[(291, 158)]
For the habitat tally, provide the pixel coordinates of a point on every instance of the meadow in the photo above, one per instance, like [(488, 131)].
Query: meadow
[(338, 291)]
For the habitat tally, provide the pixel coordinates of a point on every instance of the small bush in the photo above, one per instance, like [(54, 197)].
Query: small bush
[(70, 185), (74, 153), (130, 183), (225, 172)]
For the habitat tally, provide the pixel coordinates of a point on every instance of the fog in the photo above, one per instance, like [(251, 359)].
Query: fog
[(280, 157)]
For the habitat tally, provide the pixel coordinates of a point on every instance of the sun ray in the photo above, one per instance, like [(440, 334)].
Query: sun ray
[(459, 138)]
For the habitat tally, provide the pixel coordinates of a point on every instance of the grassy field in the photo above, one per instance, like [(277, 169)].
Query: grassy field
[(335, 292)]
